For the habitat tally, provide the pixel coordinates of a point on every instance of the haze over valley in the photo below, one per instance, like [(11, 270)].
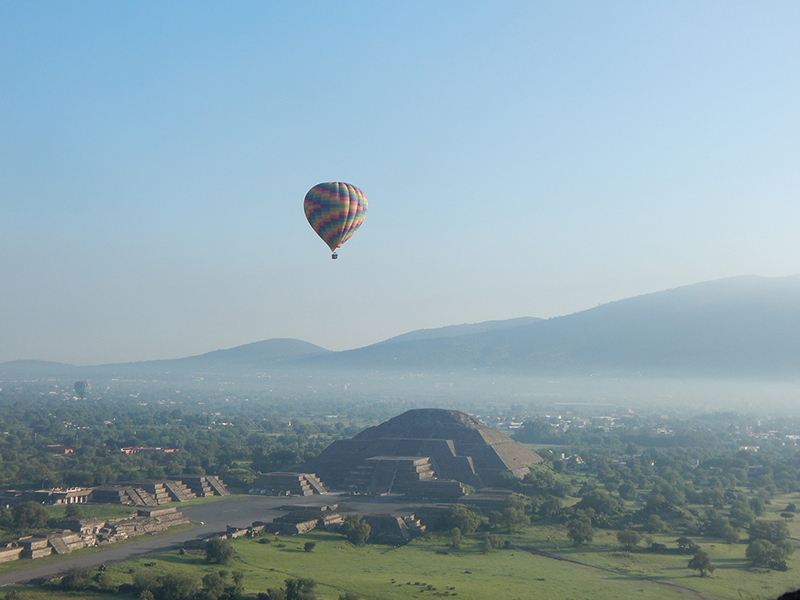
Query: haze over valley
[(728, 341)]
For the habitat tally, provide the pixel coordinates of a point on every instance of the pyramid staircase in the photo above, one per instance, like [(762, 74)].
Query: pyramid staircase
[(178, 491), (217, 485)]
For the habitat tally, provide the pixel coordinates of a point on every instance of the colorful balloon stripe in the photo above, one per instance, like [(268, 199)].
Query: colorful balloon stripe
[(335, 210)]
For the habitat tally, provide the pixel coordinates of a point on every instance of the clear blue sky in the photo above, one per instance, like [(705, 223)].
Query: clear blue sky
[(520, 159)]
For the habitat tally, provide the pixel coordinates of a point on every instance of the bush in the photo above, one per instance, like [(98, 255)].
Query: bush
[(219, 551), (490, 542), (309, 546), (77, 578)]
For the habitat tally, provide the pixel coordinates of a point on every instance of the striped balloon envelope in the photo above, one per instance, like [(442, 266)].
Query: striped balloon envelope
[(81, 387), (335, 210)]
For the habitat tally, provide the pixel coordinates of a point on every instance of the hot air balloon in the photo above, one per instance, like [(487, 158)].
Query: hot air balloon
[(335, 210), (81, 387)]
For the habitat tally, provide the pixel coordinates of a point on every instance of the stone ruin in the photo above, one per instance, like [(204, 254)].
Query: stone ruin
[(394, 530), (281, 483), (422, 453), (87, 532), (300, 519), (153, 492), (384, 528)]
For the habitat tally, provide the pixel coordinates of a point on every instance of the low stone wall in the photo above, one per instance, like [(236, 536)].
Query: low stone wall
[(9, 554)]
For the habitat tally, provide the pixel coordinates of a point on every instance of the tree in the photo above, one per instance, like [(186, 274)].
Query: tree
[(456, 538), (73, 511), (757, 505), (29, 515), (177, 586), (772, 531), (788, 516), (627, 490), (654, 524), (213, 586), (514, 513), (701, 562), (550, 506), (356, 530), (763, 553), (461, 516), (300, 589), (628, 538), (219, 551), (309, 546), (741, 514), (729, 534), (579, 528), (490, 542), (684, 543), (601, 502)]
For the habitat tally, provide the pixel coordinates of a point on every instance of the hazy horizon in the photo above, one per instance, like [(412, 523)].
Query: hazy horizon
[(519, 160)]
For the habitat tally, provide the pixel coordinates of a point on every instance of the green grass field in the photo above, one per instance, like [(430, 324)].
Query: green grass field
[(406, 572), (429, 568)]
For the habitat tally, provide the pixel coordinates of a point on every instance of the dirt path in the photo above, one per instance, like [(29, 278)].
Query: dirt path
[(678, 588)]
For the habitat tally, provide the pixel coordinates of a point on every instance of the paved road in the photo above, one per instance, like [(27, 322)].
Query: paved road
[(214, 517)]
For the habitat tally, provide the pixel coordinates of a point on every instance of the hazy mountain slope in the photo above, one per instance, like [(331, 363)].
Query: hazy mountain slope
[(37, 369), (258, 355), (744, 326), (740, 326), (458, 330), (255, 357)]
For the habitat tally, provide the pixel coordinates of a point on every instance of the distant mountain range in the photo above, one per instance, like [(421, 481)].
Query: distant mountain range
[(742, 327)]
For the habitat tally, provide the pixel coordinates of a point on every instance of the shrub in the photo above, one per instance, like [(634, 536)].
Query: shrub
[(628, 538), (219, 551), (77, 578)]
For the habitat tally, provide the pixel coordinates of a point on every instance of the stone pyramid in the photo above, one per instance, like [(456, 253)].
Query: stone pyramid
[(458, 446)]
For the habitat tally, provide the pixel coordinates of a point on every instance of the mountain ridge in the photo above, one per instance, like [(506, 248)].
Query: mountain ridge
[(741, 326)]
